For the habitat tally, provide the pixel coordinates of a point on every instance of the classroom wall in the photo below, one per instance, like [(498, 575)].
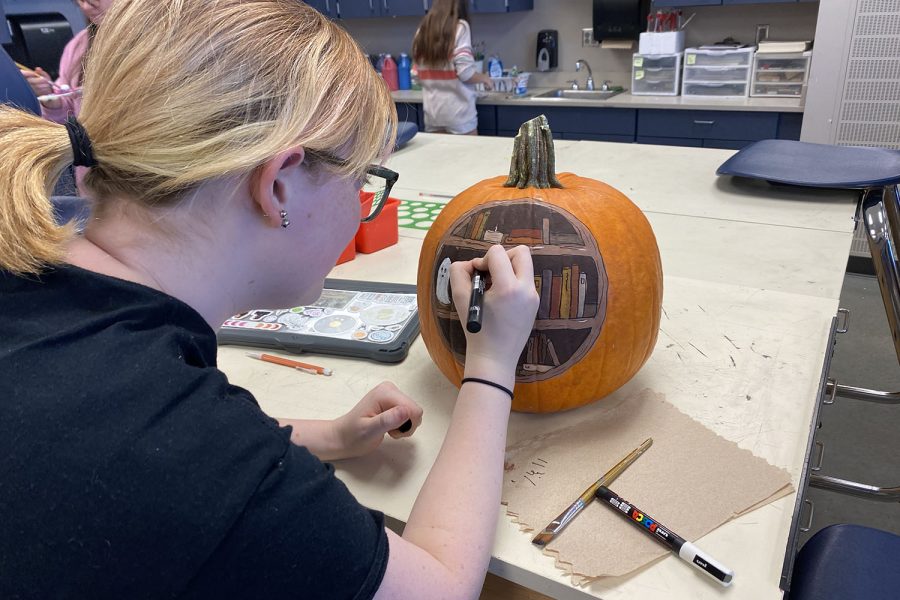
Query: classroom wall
[(513, 35)]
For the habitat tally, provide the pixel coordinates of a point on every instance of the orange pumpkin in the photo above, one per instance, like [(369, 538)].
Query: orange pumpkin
[(596, 266)]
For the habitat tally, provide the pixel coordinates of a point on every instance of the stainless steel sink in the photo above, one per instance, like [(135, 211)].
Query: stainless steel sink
[(579, 94)]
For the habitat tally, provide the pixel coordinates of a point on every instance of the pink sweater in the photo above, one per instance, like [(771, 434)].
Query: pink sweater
[(69, 74)]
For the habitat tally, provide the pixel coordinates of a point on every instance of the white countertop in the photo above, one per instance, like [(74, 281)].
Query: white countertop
[(626, 100), (760, 265)]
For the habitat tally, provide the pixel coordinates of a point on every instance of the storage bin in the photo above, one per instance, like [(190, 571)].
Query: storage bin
[(780, 74), (733, 57), (720, 73), (789, 90), (656, 75), (349, 252), (381, 232), (717, 74), (657, 61), (717, 90)]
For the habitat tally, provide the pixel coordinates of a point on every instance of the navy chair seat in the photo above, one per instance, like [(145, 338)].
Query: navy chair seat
[(13, 87), (815, 165), (848, 562), (71, 208), (405, 132)]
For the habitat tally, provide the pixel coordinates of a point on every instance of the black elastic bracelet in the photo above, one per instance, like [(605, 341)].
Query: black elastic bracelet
[(490, 383)]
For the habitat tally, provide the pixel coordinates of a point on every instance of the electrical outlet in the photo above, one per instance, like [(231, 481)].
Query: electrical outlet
[(762, 33), (587, 38)]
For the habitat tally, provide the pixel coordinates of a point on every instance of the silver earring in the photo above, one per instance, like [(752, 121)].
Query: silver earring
[(284, 220)]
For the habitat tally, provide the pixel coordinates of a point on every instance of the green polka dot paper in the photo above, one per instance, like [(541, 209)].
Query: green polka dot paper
[(415, 214)]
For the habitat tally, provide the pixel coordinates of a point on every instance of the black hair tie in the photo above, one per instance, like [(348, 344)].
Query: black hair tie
[(489, 383), (81, 144)]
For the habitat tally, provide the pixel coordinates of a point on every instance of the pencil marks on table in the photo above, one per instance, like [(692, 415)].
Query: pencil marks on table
[(536, 471)]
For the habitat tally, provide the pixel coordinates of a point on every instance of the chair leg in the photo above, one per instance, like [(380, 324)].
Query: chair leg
[(833, 388), (880, 215), (880, 212), (872, 492)]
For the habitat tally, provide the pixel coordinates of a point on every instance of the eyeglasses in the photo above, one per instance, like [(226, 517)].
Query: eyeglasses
[(379, 181)]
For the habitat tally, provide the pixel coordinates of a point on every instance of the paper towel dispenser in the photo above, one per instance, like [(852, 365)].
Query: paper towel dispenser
[(620, 19)]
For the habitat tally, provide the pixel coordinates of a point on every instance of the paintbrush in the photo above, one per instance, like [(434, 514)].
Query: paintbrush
[(557, 524)]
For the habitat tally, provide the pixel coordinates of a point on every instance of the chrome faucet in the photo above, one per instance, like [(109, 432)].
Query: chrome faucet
[(589, 84)]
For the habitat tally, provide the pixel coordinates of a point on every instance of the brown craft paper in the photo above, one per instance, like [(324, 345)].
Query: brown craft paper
[(691, 479)]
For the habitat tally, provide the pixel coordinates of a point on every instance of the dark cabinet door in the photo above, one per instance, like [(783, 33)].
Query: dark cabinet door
[(402, 8), (326, 7), (500, 6), (358, 9)]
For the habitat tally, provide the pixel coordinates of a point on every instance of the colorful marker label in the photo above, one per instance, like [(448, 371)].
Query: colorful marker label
[(635, 514)]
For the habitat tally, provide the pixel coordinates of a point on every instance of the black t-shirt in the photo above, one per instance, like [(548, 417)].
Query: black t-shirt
[(131, 468)]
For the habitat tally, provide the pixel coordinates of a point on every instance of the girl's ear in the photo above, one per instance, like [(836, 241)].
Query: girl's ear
[(274, 182)]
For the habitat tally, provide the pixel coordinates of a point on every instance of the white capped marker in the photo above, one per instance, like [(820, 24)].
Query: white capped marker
[(685, 550)]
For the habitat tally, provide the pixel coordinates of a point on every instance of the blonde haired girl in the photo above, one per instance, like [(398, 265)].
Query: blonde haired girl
[(226, 141)]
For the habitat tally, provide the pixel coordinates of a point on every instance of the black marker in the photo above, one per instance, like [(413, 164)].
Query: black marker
[(473, 324), (685, 550), (407, 425)]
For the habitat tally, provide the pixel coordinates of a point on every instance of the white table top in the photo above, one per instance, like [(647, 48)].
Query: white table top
[(765, 270)]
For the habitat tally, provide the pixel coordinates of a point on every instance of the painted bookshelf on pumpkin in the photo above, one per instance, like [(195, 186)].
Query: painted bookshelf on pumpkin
[(569, 275)]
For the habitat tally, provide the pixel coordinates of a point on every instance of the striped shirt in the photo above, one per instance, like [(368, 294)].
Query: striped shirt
[(448, 103)]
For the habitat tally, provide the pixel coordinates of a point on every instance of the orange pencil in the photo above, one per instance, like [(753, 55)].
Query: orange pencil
[(294, 364)]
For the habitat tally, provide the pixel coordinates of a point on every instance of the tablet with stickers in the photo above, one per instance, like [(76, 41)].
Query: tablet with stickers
[(363, 319)]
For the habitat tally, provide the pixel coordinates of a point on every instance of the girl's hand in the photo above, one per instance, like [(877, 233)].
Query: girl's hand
[(39, 81), (382, 410), (510, 306)]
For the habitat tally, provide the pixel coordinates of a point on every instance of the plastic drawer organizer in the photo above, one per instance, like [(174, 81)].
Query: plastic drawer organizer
[(780, 75), (721, 73), (656, 74)]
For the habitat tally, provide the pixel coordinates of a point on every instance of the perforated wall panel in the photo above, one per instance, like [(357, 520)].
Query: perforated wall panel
[(870, 104)]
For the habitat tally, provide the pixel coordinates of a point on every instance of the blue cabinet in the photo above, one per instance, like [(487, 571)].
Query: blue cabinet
[(326, 7), (714, 128), (665, 141), (666, 127), (411, 113), (601, 124), (403, 8), (500, 6), (708, 124), (357, 9), (487, 119), (789, 126)]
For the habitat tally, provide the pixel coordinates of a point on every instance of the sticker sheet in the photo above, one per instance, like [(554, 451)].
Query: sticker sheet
[(374, 317)]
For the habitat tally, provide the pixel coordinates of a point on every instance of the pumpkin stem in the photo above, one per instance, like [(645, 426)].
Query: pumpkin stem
[(534, 160)]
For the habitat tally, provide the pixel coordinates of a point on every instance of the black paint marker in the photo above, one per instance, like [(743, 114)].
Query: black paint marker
[(685, 550), (476, 308)]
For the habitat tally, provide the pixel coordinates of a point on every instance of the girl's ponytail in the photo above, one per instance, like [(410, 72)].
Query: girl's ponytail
[(35, 153)]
